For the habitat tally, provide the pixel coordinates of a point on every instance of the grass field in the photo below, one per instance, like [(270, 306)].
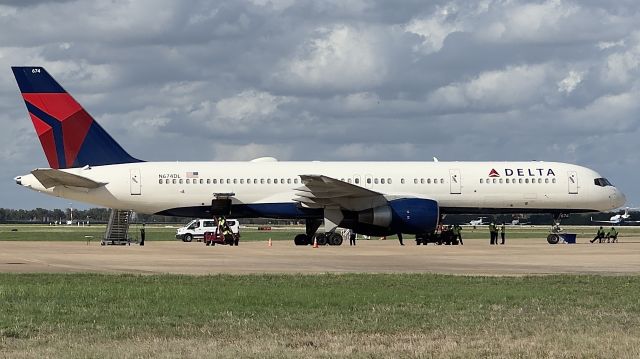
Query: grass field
[(82, 315), (38, 232)]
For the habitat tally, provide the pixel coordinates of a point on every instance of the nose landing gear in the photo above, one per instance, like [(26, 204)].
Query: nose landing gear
[(556, 231)]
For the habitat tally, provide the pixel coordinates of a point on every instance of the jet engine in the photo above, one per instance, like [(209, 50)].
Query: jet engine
[(406, 215)]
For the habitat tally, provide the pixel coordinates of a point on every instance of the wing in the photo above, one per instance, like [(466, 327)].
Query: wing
[(50, 177), (321, 191)]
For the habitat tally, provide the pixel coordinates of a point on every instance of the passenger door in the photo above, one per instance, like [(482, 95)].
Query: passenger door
[(455, 182), (135, 182), (573, 182)]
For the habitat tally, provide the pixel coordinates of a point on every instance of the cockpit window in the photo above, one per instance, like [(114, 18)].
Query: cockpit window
[(602, 182)]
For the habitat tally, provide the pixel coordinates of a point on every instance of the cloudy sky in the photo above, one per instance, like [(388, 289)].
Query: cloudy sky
[(334, 80)]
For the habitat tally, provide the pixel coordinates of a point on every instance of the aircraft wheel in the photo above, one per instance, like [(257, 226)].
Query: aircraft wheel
[(335, 239), (188, 238), (301, 240), (553, 238), (321, 238)]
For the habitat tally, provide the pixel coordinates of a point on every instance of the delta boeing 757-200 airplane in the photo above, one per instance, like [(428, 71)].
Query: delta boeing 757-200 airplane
[(374, 198)]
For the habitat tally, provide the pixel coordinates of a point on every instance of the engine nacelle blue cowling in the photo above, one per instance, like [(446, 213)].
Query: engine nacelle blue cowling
[(406, 215), (414, 215)]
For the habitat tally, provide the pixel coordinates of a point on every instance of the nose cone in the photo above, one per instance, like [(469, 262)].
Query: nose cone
[(618, 199), (18, 180)]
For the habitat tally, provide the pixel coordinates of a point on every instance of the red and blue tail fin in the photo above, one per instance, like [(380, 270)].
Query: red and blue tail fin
[(70, 137)]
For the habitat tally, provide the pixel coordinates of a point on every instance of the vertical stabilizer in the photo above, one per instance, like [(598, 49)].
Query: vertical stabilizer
[(70, 137)]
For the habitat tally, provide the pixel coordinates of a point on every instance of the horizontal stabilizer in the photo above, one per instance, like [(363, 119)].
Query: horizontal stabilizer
[(50, 177)]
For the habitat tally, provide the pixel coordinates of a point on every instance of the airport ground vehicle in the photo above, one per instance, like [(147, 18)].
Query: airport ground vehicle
[(215, 237), (437, 237), (197, 228)]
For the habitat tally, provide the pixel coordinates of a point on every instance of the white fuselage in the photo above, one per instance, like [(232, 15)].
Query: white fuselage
[(458, 187)]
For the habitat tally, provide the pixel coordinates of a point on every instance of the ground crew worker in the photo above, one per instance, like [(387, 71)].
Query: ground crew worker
[(599, 235), (612, 235), (503, 230), (352, 238), (224, 230), (457, 235), (142, 235), (493, 233), (400, 239)]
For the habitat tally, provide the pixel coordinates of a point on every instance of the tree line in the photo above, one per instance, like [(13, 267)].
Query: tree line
[(101, 215)]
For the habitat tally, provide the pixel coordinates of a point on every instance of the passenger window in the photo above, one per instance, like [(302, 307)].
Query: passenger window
[(375, 180), (368, 180), (520, 180), (539, 180), (357, 180), (228, 181), (208, 180), (268, 180), (402, 180), (282, 180), (180, 181), (553, 180), (382, 181), (526, 180), (421, 180), (428, 180), (494, 180), (255, 181), (500, 180), (415, 180), (441, 180), (261, 180), (241, 180), (295, 181), (275, 181), (174, 181), (288, 180), (435, 180), (160, 181), (506, 180), (348, 180), (388, 180), (187, 181), (481, 180)]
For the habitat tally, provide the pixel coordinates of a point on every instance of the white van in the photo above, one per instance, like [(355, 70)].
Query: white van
[(197, 227)]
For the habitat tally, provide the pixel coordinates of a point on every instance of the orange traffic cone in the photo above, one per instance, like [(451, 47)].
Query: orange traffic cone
[(269, 242), (315, 242)]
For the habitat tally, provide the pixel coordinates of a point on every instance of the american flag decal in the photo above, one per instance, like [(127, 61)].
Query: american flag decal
[(192, 174)]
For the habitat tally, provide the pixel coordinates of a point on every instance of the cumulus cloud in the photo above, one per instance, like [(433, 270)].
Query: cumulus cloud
[(569, 83), (340, 58), (503, 89), (434, 29)]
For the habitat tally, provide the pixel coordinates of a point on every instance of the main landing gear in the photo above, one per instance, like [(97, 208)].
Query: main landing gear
[(312, 225)]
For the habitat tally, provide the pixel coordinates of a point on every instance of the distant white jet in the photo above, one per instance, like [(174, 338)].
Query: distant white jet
[(618, 218), (478, 222)]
